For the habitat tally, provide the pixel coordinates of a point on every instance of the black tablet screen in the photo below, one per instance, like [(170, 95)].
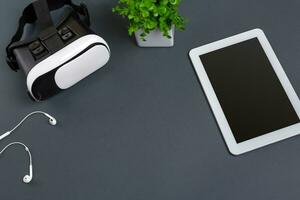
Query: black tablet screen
[(250, 94)]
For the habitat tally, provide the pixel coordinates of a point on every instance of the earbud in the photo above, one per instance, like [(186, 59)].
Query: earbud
[(27, 178), (52, 121)]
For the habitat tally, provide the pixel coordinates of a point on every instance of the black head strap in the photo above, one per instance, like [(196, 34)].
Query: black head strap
[(43, 14), (39, 11)]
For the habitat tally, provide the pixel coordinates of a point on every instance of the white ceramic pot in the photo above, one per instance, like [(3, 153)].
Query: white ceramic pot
[(155, 39)]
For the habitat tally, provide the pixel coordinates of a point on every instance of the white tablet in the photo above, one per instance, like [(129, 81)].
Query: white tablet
[(250, 95)]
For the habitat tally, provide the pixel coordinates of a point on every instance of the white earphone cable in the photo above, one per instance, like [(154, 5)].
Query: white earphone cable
[(27, 178), (26, 117), (18, 143), (52, 121)]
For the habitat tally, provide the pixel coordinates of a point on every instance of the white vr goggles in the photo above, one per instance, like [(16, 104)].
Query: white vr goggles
[(62, 54)]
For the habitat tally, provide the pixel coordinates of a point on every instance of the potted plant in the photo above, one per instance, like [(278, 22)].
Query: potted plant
[(152, 21)]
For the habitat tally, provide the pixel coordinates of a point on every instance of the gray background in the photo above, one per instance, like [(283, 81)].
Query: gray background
[(141, 127)]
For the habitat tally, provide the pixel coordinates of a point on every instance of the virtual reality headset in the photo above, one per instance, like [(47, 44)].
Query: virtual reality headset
[(62, 54)]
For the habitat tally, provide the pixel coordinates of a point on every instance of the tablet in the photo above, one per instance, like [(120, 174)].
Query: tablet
[(249, 93)]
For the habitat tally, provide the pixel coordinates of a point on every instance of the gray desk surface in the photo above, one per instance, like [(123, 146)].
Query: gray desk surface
[(141, 128)]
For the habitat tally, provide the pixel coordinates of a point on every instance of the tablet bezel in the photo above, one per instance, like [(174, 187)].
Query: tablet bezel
[(260, 141)]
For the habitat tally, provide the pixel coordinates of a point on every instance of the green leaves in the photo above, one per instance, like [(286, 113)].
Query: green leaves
[(150, 14)]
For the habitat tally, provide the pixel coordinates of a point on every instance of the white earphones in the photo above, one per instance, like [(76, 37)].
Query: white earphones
[(26, 178), (52, 121)]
